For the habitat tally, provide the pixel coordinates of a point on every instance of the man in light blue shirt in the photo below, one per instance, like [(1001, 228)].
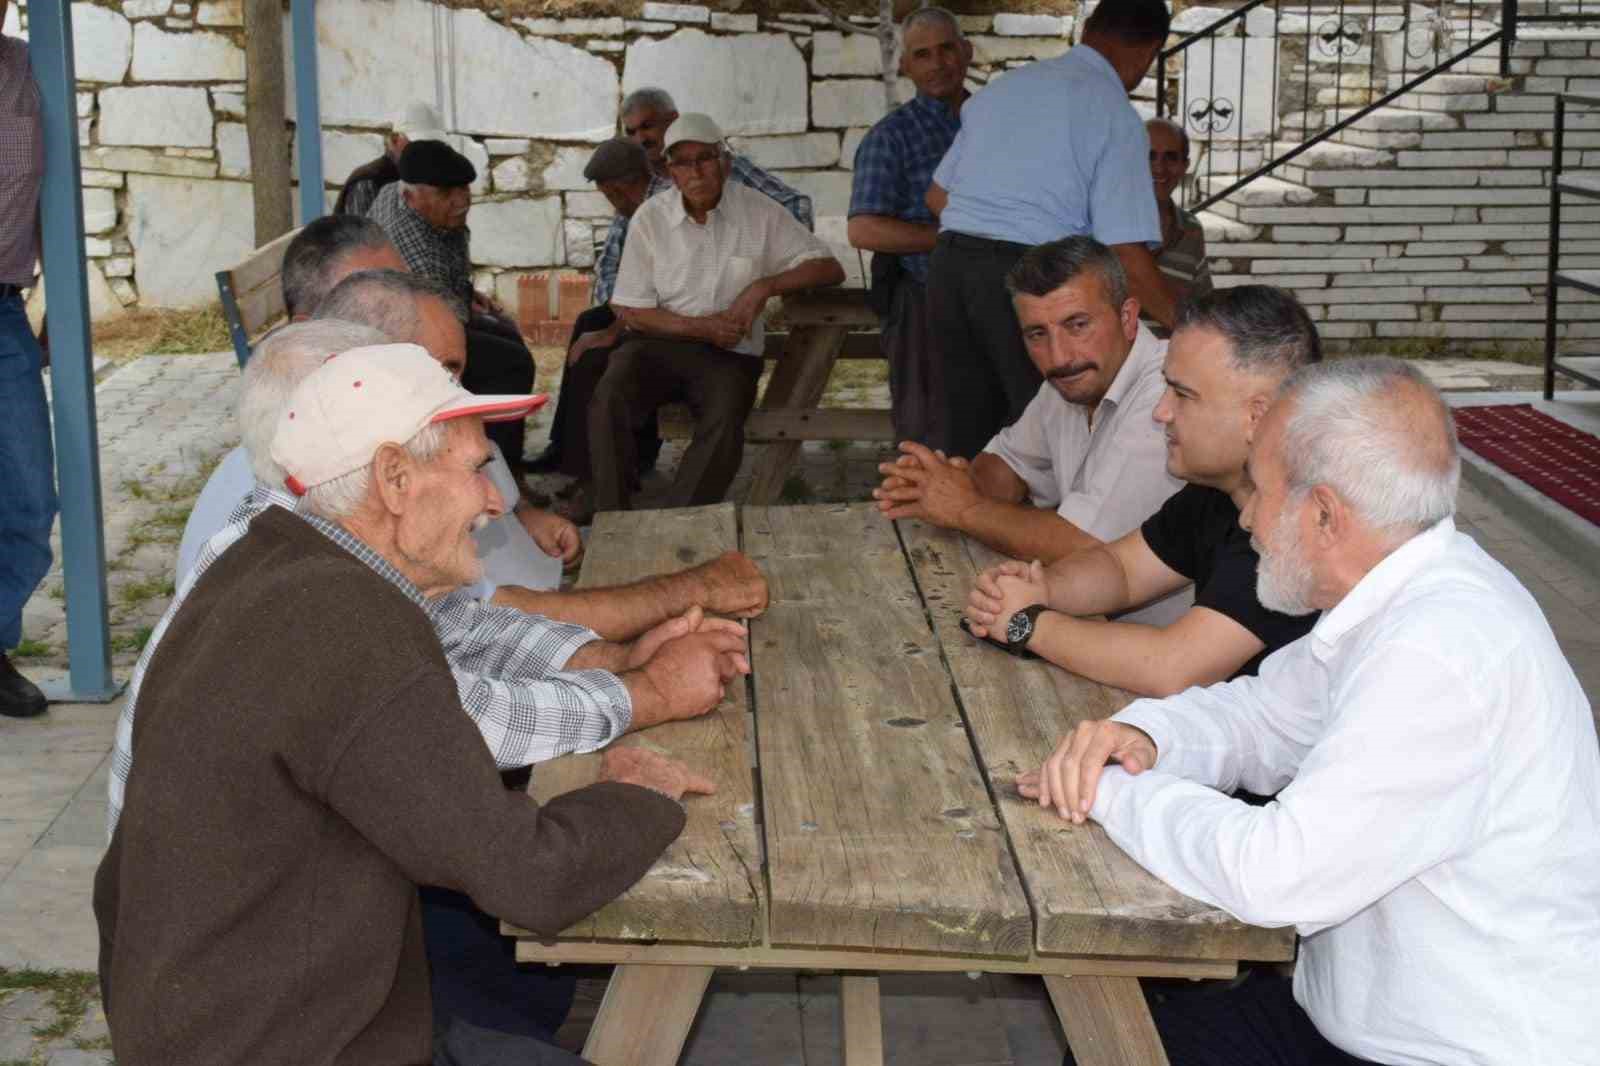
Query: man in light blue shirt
[(1049, 151)]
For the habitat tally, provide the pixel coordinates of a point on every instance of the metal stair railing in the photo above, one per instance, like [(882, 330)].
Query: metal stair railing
[(1336, 32)]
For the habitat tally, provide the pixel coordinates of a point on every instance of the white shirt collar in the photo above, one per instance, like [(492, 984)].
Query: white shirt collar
[(1146, 346), (1379, 586)]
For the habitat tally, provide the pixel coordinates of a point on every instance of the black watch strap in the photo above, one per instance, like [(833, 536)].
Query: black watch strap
[(1020, 648)]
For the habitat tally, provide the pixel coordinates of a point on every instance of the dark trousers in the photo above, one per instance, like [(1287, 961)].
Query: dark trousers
[(988, 378), (916, 392), (475, 977), (1255, 1022), (498, 362), (568, 451), (27, 469), (643, 373)]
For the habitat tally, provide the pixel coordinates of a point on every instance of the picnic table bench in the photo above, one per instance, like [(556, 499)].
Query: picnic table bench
[(865, 819)]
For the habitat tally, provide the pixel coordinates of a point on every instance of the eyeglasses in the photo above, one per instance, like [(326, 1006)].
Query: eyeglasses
[(695, 163)]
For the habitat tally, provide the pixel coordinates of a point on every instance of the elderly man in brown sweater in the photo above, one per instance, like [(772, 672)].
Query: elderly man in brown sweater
[(304, 762)]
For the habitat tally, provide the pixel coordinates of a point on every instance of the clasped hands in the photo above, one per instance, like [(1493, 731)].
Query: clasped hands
[(927, 484), (732, 324)]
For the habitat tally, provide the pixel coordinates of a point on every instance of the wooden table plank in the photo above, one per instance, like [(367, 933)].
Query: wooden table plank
[(707, 888), (880, 832), (1088, 896)]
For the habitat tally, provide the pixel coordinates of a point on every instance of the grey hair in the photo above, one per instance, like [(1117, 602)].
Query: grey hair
[(1044, 268), (1168, 124), (651, 97), (1267, 330), (284, 358), (387, 301), (314, 255), (932, 16), (1355, 427), (339, 498)]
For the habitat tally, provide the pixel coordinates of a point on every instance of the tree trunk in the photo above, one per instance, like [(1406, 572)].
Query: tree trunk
[(265, 124), (887, 49)]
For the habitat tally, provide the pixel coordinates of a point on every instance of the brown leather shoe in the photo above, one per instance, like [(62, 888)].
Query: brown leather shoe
[(19, 697)]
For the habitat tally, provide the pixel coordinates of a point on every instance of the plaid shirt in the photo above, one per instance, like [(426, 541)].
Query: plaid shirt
[(21, 164), (508, 665), (440, 254), (895, 163), (744, 172)]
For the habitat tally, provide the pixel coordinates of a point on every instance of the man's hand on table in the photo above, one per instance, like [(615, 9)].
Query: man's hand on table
[(1000, 592), (685, 664), (1069, 778), (556, 536), (927, 484), (732, 584), (639, 766)]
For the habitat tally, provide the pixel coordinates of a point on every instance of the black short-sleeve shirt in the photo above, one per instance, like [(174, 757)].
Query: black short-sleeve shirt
[(1197, 534)]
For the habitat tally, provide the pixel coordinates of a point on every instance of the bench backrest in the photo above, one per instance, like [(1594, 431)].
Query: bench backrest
[(252, 294)]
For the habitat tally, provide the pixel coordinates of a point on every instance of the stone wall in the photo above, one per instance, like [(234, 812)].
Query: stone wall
[(166, 164)]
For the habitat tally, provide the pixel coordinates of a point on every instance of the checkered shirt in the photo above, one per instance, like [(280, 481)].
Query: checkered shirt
[(21, 164), (439, 254), (744, 172), (895, 163), (508, 665)]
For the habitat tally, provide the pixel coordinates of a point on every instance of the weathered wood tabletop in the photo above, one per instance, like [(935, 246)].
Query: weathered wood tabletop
[(865, 819)]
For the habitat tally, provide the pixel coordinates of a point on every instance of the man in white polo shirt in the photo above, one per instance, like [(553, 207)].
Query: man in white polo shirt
[(701, 262), (1436, 832)]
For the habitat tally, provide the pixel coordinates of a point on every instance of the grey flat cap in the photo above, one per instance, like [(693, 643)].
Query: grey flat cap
[(617, 160)]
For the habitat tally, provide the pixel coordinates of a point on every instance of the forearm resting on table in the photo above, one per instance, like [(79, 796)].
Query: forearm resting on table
[(1147, 284), (812, 274), (1145, 660), (1006, 522), (1088, 582), (883, 233), (620, 612)]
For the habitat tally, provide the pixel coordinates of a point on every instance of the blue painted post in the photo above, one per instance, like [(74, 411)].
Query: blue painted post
[(83, 542), (307, 109)]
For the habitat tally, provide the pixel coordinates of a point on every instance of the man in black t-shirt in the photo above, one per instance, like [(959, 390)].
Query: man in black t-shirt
[(1229, 353)]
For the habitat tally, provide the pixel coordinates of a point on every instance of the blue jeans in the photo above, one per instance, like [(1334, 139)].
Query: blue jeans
[(27, 470)]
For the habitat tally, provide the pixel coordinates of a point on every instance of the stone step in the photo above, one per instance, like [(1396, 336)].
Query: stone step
[(1332, 154), (1221, 228), (1379, 138), (1266, 191), (1346, 97), (1392, 118), (1455, 84), (1446, 102)]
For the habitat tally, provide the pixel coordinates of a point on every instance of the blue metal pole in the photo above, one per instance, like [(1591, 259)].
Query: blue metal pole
[(307, 109), (83, 543)]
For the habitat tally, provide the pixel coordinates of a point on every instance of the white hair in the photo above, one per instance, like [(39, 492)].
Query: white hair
[(932, 16), (1355, 427), (343, 496), (649, 96), (283, 359)]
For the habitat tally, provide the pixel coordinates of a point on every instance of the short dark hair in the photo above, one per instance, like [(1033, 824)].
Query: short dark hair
[(311, 257), (1130, 21), (1265, 326), (1045, 268), (386, 300)]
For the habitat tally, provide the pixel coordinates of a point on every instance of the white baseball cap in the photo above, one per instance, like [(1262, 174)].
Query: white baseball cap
[(420, 122), (363, 398), (692, 127)]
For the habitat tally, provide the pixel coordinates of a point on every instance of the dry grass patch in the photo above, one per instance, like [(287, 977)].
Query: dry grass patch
[(159, 331)]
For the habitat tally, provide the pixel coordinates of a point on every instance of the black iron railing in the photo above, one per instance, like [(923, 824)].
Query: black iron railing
[(1271, 80)]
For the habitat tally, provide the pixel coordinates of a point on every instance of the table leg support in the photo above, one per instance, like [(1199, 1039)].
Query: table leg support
[(863, 1024), (646, 1015), (1106, 1021)]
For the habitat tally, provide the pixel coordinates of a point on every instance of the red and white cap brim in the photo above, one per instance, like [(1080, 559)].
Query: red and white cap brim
[(491, 408)]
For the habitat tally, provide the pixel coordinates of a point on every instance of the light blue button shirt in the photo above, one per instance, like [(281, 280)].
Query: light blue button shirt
[(1052, 150)]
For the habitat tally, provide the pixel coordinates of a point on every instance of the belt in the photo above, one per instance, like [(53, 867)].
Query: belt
[(966, 240)]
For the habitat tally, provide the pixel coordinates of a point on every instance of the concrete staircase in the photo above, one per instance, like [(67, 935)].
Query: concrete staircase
[(1425, 223)]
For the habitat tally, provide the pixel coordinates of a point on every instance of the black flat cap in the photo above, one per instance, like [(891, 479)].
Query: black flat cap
[(435, 163), (617, 160)]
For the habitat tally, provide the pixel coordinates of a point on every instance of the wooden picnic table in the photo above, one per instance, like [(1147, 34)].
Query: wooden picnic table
[(865, 819)]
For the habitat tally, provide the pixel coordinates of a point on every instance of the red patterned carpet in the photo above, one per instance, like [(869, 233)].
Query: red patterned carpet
[(1559, 461)]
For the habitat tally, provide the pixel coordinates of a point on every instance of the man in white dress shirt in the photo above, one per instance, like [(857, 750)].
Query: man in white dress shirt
[(1086, 462), (701, 262), (1437, 837)]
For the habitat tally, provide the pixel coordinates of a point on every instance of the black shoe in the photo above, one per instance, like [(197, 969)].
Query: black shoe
[(19, 697)]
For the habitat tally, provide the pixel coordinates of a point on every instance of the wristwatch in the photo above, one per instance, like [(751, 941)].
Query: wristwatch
[(1019, 629)]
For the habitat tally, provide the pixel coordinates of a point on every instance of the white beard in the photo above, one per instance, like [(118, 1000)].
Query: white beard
[(1283, 578)]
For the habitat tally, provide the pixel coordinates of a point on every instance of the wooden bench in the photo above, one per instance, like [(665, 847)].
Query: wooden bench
[(252, 294), (823, 327)]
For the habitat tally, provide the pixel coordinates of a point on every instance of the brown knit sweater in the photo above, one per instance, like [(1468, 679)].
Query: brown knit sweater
[(304, 762)]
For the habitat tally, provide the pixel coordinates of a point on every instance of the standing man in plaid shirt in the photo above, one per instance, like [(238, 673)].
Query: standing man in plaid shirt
[(889, 217), (27, 489)]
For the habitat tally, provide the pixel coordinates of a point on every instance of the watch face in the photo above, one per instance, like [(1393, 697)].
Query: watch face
[(1019, 628)]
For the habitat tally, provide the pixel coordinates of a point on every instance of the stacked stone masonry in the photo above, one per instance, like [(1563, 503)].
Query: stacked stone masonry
[(1425, 221)]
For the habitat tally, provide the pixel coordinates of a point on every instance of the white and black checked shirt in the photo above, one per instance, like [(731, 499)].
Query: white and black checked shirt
[(438, 254), (21, 164), (508, 665)]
